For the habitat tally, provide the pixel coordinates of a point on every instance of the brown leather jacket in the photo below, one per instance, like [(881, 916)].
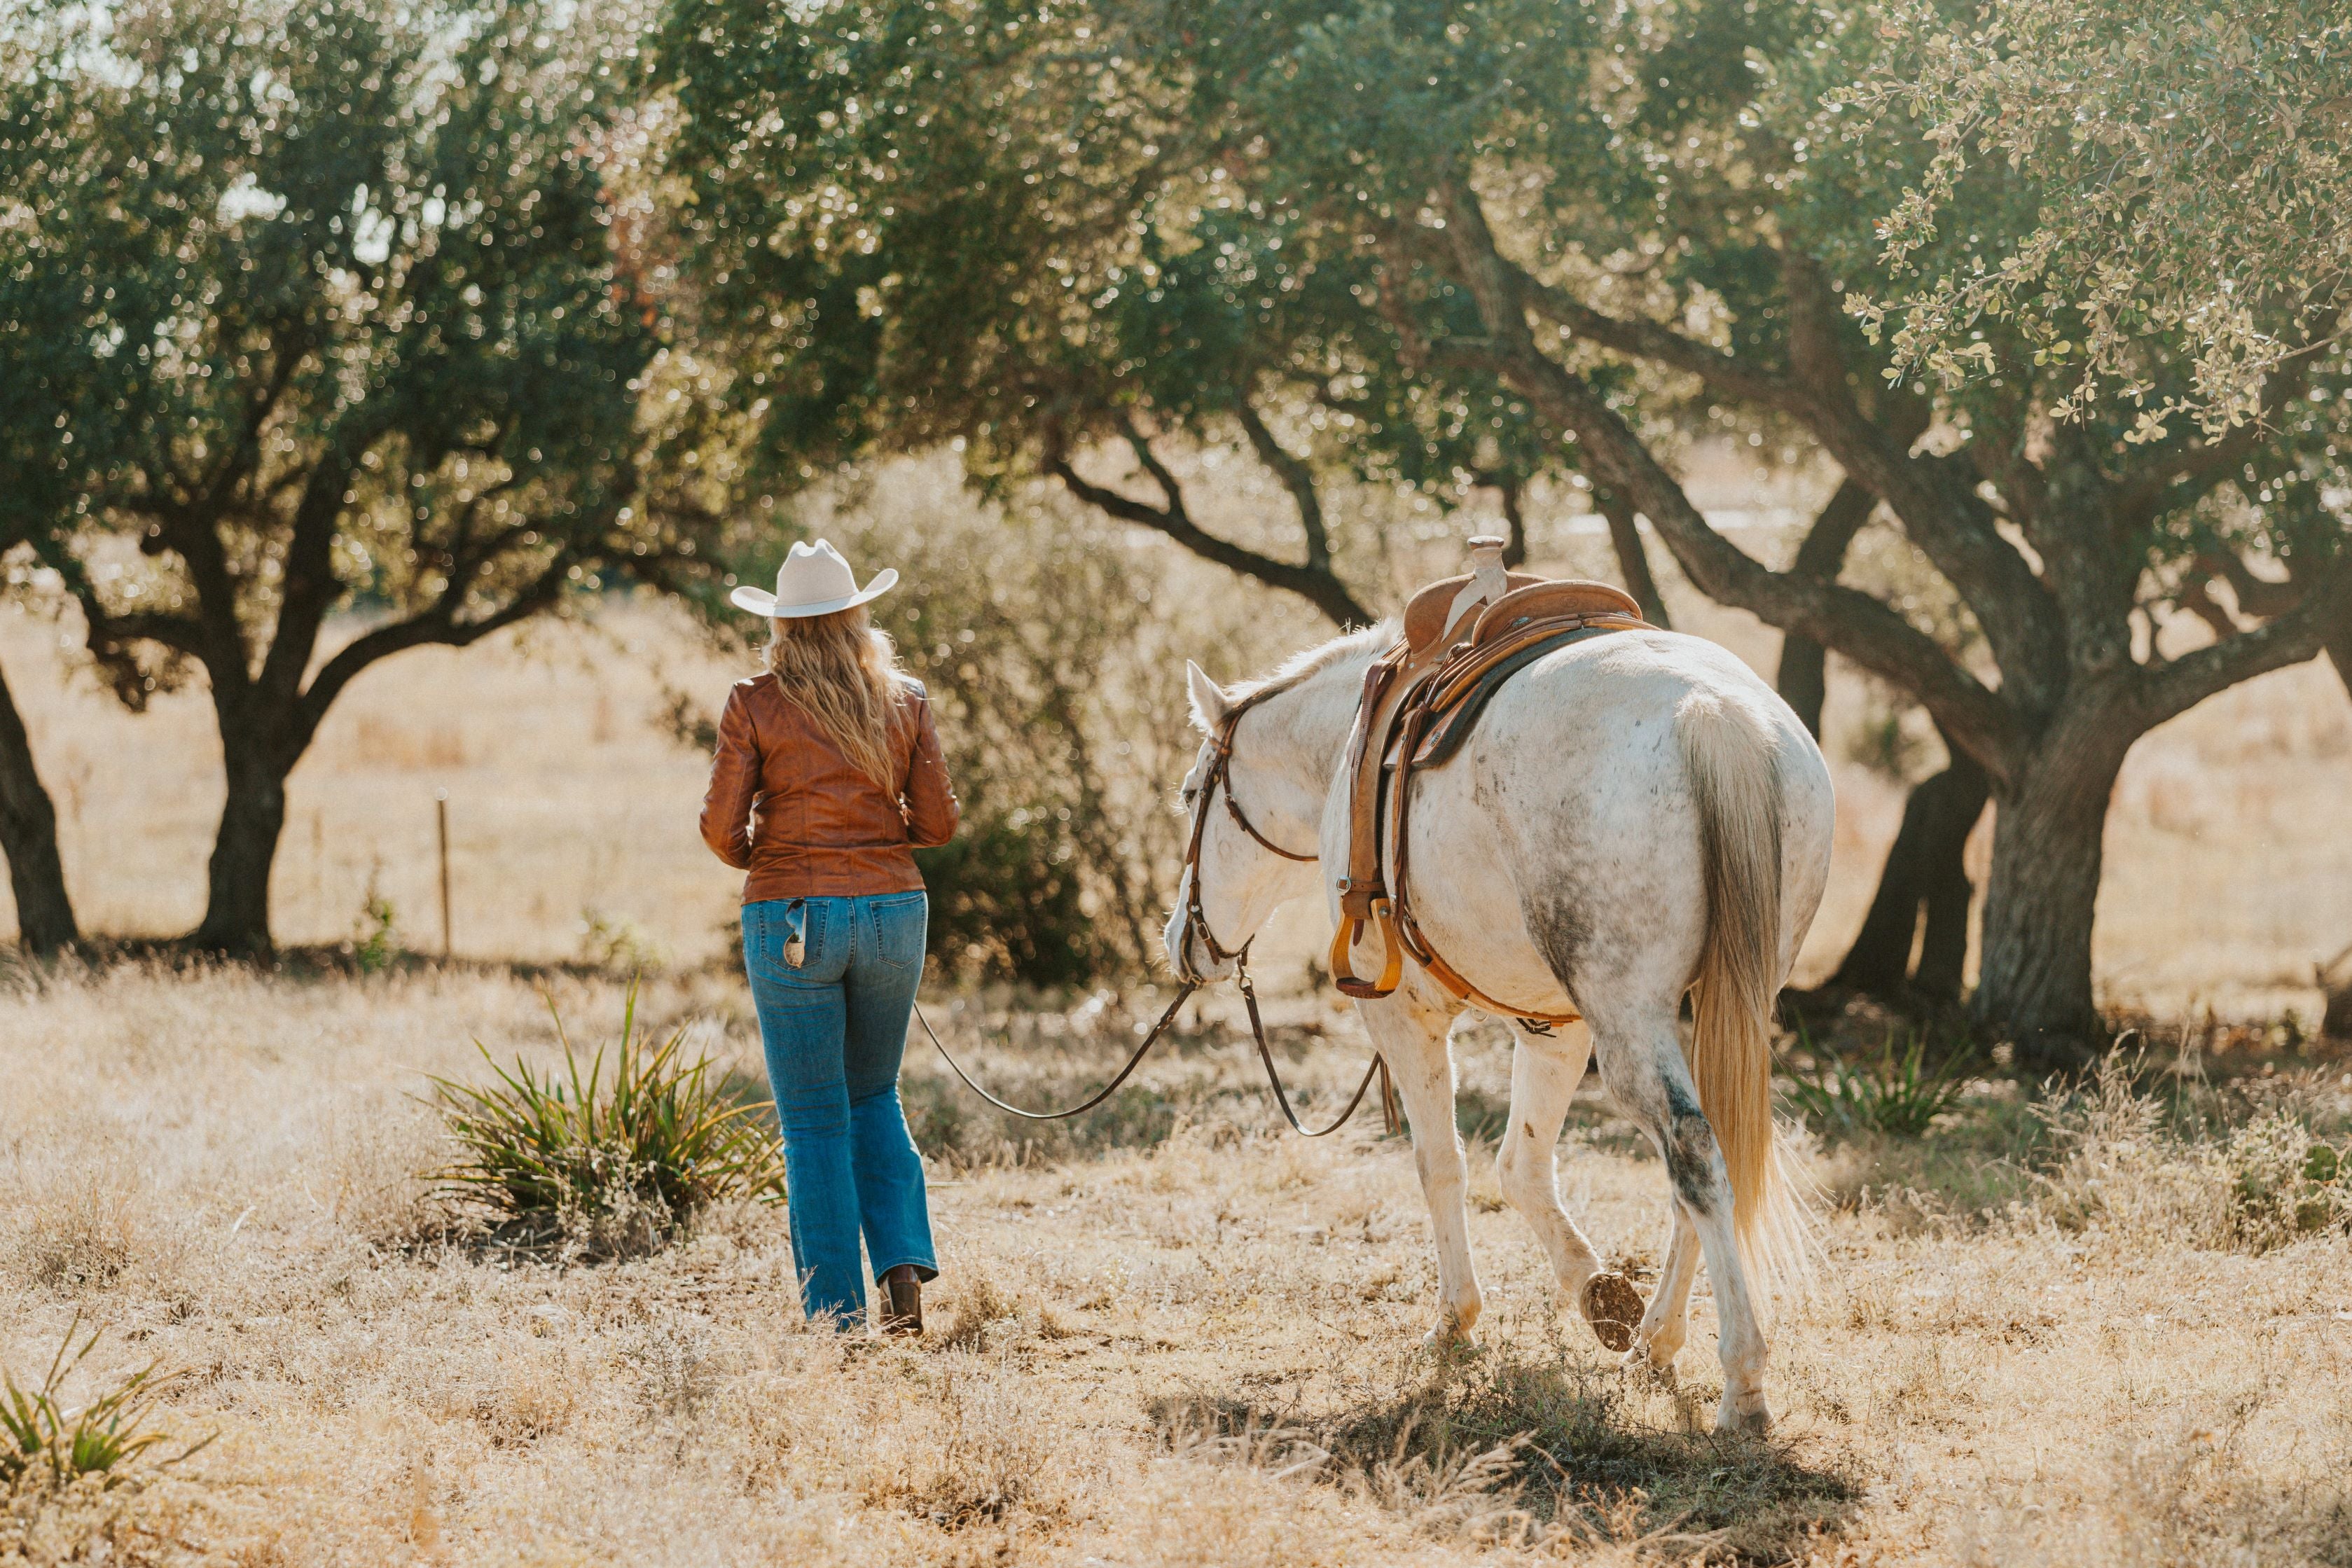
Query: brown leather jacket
[(786, 805)]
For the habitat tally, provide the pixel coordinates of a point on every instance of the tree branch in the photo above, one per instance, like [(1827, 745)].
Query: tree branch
[(1949, 523), (1318, 586), (2256, 595), (307, 587), (1940, 512), (1659, 345), (2316, 624), (180, 633), (1856, 625), (435, 625), (1823, 553), (1511, 490), (1803, 677), (1632, 555), (1295, 478), (2179, 476)]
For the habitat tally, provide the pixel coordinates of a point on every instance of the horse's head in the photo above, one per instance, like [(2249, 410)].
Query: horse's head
[(1253, 833)]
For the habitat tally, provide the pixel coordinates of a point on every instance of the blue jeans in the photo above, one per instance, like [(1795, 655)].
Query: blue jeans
[(833, 1029)]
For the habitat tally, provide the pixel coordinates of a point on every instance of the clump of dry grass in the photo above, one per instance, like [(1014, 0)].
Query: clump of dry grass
[(84, 1234), (985, 1453), (133, 1526), (2183, 1493), (2131, 1164), (373, 1183)]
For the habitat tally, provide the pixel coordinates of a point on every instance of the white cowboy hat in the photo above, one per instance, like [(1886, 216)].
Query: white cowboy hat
[(813, 581)]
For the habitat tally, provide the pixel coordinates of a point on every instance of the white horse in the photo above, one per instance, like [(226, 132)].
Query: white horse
[(1635, 817)]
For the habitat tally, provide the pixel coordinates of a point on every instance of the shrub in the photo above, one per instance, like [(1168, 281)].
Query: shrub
[(613, 1168), (1006, 902), (43, 1439), (375, 934), (2282, 1183), (617, 946)]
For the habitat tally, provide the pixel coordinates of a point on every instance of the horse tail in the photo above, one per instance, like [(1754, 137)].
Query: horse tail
[(1732, 765)]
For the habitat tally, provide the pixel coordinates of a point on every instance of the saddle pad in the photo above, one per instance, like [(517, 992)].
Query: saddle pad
[(1445, 737)]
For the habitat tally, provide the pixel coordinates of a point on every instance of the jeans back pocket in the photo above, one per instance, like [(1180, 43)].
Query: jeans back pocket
[(768, 928), (899, 921)]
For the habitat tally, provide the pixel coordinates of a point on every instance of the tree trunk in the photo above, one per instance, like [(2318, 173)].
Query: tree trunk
[(1925, 866), (236, 908), (1803, 677), (29, 833), (2035, 986), (1632, 559)]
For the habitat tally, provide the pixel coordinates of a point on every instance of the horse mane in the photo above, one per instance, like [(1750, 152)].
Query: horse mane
[(1308, 662)]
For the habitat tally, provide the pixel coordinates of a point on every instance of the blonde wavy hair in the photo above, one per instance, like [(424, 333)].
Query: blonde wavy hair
[(845, 675)]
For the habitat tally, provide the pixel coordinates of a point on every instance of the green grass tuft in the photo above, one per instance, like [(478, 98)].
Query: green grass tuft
[(617, 1165), (1893, 1092), (44, 1438)]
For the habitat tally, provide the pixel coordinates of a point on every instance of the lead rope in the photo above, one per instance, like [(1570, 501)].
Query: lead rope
[(1183, 995), (1380, 1069)]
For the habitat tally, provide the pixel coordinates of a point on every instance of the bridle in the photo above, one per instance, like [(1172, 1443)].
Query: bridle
[(1196, 923), (1196, 927)]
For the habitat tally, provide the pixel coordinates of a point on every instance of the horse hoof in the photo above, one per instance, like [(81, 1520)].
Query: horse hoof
[(1452, 1336), (1754, 1422), (1613, 1307), (1639, 1360)]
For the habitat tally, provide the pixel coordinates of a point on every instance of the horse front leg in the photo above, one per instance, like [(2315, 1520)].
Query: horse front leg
[(1667, 1322), (1409, 1028)]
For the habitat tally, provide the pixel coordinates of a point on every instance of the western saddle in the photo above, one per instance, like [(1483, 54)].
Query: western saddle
[(1463, 637)]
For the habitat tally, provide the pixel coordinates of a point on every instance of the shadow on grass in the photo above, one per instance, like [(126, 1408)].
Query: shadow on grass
[(1596, 1445)]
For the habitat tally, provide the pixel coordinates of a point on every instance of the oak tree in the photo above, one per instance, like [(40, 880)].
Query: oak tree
[(313, 307)]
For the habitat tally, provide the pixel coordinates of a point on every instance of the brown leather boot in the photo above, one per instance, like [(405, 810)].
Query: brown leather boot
[(902, 1312)]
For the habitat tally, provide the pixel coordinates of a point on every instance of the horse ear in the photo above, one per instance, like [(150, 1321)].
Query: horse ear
[(1209, 700)]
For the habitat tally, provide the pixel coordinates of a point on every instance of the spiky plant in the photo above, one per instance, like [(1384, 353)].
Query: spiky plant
[(41, 1435), (1893, 1093), (570, 1151)]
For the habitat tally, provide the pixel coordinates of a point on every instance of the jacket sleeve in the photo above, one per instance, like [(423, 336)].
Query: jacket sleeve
[(932, 811), (734, 781)]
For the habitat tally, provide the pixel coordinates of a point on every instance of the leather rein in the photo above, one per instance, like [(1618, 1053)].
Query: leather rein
[(1196, 928)]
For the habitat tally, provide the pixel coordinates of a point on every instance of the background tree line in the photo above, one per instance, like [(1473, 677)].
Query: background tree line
[(446, 314)]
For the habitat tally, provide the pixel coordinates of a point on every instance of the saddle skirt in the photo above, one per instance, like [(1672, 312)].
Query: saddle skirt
[(1462, 638)]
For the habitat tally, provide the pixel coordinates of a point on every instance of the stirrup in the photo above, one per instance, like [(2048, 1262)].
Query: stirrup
[(1343, 942)]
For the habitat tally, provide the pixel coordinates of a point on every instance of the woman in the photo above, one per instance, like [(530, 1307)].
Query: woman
[(828, 775)]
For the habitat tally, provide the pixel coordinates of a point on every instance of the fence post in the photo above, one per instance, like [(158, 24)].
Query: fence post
[(441, 816)]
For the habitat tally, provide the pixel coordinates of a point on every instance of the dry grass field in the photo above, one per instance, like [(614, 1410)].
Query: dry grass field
[(1174, 1335), (2110, 1328)]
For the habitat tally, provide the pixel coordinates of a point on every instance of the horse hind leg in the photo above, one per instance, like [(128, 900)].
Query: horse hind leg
[(1411, 1030), (1545, 1072), (1646, 1075)]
